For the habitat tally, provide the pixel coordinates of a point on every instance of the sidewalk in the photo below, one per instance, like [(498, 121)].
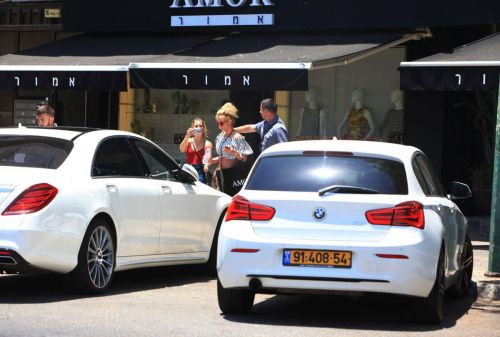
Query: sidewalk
[(488, 288)]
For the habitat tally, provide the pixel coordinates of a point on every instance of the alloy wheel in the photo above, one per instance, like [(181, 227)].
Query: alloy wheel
[(100, 257)]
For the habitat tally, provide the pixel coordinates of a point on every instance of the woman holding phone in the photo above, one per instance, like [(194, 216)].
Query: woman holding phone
[(232, 151), (198, 148)]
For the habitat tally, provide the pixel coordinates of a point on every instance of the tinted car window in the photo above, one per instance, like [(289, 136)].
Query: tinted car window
[(312, 173), (28, 151), (430, 178), (420, 177), (114, 157), (158, 165)]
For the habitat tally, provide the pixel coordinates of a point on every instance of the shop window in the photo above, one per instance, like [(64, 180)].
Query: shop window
[(360, 100), (164, 115)]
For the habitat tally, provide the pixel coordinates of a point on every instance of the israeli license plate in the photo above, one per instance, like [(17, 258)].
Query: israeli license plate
[(317, 258)]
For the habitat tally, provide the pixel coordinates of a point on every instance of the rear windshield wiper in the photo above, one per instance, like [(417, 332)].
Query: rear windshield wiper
[(346, 189)]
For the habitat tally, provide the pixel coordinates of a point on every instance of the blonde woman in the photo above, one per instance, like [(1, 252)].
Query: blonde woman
[(232, 150), (198, 148)]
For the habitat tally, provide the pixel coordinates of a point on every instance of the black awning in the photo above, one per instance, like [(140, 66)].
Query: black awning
[(221, 77), (278, 61), (87, 62), (475, 66), (250, 62), (111, 78)]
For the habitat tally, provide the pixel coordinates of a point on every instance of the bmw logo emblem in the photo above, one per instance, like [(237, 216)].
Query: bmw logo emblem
[(319, 213)]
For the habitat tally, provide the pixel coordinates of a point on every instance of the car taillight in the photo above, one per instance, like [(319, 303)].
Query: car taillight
[(32, 199), (409, 213), (242, 209)]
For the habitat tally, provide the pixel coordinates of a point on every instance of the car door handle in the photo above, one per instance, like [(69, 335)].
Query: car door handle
[(166, 189), (111, 188)]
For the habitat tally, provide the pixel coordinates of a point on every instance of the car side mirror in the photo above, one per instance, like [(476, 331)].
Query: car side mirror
[(459, 190), (189, 173)]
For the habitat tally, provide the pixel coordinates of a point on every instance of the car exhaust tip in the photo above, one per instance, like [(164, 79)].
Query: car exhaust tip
[(255, 284)]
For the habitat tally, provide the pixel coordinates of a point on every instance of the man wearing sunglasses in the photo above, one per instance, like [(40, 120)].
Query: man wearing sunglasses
[(271, 129)]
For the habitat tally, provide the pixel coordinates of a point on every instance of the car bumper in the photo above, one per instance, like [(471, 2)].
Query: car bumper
[(48, 245), (413, 276)]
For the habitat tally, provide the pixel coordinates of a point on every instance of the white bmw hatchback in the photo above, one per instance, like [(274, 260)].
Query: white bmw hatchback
[(90, 202), (344, 216)]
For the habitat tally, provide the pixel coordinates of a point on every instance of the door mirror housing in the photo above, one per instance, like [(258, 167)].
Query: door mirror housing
[(189, 173), (459, 191)]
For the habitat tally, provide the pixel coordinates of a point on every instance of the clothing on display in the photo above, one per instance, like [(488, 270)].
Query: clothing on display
[(392, 126), (310, 122), (356, 124)]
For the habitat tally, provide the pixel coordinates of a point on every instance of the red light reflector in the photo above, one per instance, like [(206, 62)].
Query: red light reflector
[(5, 253), (32, 199), (242, 209), (244, 250), (392, 256)]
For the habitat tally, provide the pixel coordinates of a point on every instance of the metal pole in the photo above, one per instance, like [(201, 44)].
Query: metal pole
[(494, 256)]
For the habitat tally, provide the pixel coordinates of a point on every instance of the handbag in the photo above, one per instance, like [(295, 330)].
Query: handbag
[(232, 179)]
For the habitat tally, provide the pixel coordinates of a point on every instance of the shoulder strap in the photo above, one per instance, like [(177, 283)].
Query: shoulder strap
[(193, 144)]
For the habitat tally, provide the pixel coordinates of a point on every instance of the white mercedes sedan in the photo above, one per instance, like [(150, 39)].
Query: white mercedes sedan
[(88, 202), (344, 217)]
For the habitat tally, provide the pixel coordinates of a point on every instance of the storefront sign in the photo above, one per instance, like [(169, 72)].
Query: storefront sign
[(212, 19), (83, 80), (220, 79), (222, 20), (449, 78), (289, 15), (219, 3)]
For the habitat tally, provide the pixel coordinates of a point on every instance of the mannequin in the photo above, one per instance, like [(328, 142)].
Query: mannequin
[(392, 125), (312, 118), (359, 119)]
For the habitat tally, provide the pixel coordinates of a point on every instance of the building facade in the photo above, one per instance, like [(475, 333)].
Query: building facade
[(333, 68)]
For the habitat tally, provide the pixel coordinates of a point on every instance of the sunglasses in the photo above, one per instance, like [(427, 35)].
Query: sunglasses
[(221, 123)]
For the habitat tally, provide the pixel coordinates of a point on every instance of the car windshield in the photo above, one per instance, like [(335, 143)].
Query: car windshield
[(32, 151), (313, 173)]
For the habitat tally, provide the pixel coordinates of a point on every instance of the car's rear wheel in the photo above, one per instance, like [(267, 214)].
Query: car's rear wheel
[(431, 309), (96, 259), (234, 301), (461, 288)]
